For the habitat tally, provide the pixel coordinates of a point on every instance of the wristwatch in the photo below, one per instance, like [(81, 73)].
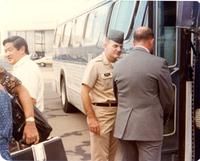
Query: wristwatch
[(30, 119)]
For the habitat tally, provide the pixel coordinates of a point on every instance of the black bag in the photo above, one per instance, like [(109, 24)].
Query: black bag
[(43, 127)]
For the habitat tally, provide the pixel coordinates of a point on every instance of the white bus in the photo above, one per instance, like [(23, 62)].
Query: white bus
[(176, 27)]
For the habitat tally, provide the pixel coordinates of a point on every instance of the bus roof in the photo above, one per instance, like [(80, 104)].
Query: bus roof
[(92, 7)]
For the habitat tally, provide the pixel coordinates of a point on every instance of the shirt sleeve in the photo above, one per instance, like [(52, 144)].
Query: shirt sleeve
[(8, 81), (31, 79), (90, 75)]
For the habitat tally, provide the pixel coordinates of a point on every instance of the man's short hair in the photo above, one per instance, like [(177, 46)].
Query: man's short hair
[(143, 33), (18, 42)]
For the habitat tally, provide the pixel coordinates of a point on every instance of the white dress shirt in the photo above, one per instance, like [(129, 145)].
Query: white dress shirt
[(29, 73)]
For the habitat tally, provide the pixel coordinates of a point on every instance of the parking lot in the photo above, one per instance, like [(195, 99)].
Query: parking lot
[(71, 128)]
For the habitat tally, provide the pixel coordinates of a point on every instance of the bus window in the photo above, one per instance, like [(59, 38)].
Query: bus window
[(166, 31), (77, 32), (73, 36), (89, 31), (146, 18), (67, 33), (58, 36), (122, 15), (140, 19), (96, 25)]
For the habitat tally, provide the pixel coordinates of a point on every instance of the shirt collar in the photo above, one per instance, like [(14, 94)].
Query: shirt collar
[(140, 46), (21, 61), (105, 60)]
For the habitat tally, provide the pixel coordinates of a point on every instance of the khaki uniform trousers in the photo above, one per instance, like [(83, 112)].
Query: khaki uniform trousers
[(104, 146)]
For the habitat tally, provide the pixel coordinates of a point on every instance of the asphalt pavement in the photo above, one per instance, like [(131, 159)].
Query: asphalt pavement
[(71, 127)]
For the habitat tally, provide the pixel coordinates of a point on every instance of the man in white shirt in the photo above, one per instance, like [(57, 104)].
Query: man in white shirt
[(26, 70)]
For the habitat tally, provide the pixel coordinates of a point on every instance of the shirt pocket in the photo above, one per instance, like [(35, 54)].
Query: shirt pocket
[(107, 80)]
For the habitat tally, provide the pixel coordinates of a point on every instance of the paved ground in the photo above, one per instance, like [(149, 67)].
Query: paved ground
[(71, 127)]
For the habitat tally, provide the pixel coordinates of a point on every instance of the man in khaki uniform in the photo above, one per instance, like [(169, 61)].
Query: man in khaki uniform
[(99, 101)]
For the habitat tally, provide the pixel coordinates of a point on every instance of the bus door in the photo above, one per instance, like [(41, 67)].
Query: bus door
[(164, 24)]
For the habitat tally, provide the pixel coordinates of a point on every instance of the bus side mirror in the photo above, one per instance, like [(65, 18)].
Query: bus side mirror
[(188, 14)]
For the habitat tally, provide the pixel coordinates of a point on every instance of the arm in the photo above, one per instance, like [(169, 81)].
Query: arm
[(115, 91), (30, 131), (14, 87), (92, 121), (166, 92), (33, 101)]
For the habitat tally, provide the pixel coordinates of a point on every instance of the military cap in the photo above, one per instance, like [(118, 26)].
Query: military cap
[(116, 36)]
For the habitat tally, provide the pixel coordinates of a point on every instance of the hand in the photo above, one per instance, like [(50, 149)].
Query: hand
[(93, 125), (30, 135)]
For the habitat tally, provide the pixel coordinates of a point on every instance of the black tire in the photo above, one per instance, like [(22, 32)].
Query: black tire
[(67, 107)]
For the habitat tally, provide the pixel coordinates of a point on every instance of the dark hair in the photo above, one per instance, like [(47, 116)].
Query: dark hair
[(18, 42), (143, 33)]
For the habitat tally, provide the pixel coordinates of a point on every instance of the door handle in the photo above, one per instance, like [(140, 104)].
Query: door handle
[(173, 70)]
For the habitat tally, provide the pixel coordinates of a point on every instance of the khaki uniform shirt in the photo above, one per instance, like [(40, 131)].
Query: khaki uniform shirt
[(8, 81), (98, 76)]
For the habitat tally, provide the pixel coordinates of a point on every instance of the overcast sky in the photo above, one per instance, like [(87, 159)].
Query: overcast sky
[(17, 14)]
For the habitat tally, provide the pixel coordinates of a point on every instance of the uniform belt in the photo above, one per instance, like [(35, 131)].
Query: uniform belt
[(109, 104)]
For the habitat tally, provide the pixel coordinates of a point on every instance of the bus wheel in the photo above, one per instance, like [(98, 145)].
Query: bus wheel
[(67, 107)]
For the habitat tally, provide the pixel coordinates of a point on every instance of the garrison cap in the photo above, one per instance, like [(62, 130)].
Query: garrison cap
[(116, 36)]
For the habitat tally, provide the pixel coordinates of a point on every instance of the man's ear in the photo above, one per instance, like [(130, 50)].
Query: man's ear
[(22, 49), (152, 41), (105, 42)]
